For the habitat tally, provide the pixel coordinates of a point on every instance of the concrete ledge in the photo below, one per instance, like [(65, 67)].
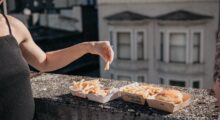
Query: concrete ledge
[(54, 102)]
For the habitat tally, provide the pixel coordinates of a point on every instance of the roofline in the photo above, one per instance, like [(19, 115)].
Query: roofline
[(186, 22), (126, 22), (207, 17)]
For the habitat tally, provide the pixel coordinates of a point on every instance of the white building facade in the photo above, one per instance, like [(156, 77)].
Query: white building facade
[(161, 41)]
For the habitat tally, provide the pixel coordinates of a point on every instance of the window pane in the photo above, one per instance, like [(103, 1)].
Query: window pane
[(111, 37), (178, 39), (124, 52), (140, 79), (161, 81), (112, 76), (196, 55), (196, 84), (140, 47), (122, 77), (177, 83), (196, 47), (161, 46), (124, 45), (140, 52), (123, 37), (177, 54), (196, 38), (178, 47)]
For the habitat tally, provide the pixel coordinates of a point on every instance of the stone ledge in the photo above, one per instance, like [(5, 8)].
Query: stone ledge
[(54, 102)]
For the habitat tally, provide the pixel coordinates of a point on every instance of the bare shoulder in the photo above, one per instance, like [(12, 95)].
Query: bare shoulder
[(19, 30), (15, 23)]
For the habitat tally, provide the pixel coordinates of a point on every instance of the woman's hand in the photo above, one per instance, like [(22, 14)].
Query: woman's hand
[(103, 49)]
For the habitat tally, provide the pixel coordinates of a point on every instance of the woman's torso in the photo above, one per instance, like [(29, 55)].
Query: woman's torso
[(16, 100)]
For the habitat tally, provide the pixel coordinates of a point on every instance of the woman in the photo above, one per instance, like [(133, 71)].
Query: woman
[(17, 47)]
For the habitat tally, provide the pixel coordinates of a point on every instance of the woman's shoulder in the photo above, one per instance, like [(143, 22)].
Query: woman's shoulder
[(14, 22), (19, 30)]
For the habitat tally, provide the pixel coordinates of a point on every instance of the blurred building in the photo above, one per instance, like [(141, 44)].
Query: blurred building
[(161, 41)]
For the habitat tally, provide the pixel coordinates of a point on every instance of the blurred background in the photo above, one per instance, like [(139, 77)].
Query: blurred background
[(171, 42)]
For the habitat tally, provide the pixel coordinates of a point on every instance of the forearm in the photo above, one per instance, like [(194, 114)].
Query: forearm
[(60, 58)]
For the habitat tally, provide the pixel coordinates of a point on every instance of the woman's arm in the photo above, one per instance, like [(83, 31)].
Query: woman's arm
[(54, 60)]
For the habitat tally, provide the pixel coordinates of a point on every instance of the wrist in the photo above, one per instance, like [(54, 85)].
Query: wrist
[(89, 47)]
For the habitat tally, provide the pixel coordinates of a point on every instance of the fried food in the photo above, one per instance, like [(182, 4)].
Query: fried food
[(152, 90), (143, 90), (171, 96), (90, 87), (107, 65)]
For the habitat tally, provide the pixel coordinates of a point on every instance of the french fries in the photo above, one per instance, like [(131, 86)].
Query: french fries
[(91, 87), (143, 90), (107, 65)]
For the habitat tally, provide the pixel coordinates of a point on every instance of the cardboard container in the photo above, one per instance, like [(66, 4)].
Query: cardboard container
[(77, 93), (138, 99), (104, 99), (169, 107)]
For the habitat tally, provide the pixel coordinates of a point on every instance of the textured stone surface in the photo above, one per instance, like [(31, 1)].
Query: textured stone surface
[(54, 102)]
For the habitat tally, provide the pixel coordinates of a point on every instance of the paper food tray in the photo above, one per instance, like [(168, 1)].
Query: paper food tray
[(104, 99), (169, 107), (138, 99), (132, 84), (77, 93)]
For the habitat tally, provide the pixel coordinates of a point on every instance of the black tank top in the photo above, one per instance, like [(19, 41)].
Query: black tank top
[(16, 100)]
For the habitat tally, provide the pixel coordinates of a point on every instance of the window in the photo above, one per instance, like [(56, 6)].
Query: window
[(196, 47), (196, 84), (178, 47), (112, 76), (140, 45), (122, 77), (124, 45), (161, 81), (161, 46), (140, 79), (111, 37), (177, 83)]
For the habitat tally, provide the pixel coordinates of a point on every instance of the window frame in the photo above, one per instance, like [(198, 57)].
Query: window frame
[(115, 41), (161, 44), (169, 32), (144, 44), (188, 82), (200, 83), (126, 75), (201, 52), (133, 31), (189, 43)]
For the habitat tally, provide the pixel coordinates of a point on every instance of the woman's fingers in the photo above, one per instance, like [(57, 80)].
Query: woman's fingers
[(109, 53)]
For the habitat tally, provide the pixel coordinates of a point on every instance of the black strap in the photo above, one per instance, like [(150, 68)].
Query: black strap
[(9, 27)]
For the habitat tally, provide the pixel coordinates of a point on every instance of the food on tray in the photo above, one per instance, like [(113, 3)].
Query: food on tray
[(103, 92), (91, 87), (143, 90), (136, 90), (171, 96), (152, 90), (107, 65)]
